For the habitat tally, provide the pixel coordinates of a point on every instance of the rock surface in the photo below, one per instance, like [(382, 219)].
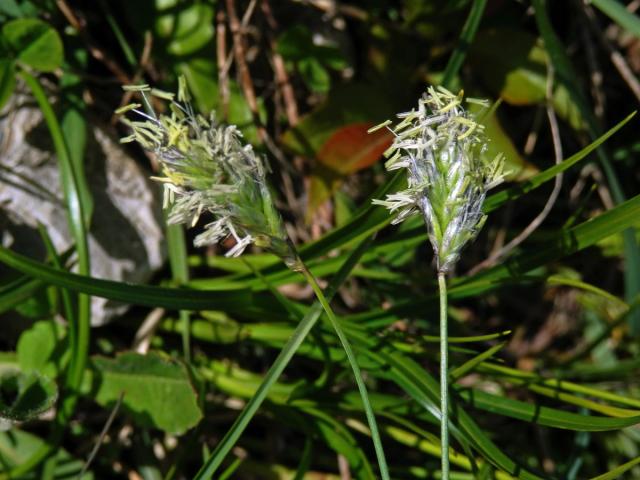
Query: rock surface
[(126, 235)]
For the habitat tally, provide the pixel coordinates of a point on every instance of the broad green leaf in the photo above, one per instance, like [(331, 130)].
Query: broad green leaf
[(34, 43), (157, 390), (25, 395), (7, 80), (513, 65), (10, 8), (17, 446), (202, 79), (296, 45), (186, 27), (315, 75), (348, 150), (42, 348), (37, 306), (617, 12), (515, 166), (345, 105)]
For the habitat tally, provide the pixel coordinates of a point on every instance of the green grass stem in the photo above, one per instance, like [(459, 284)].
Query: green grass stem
[(214, 460), (371, 419), (444, 380)]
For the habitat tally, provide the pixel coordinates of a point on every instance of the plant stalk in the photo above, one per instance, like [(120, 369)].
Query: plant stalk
[(373, 426), (286, 354), (444, 380)]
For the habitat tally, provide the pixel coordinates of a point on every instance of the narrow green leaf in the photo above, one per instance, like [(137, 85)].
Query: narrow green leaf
[(286, 354), (80, 332), (466, 38), (339, 439), (17, 291), (172, 298), (74, 128), (500, 198), (566, 242), (515, 268), (616, 472), (7, 80), (471, 364), (425, 390), (57, 261), (542, 415), (18, 446), (177, 247), (470, 339), (619, 14), (567, 77)]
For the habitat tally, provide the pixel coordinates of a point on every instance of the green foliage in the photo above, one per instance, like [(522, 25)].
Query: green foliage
[(24, 396), (7, 80), (296, 45), (514, 66), (43, 348), (157, 390), (541, 345), (32, 42), (616, 11), (29, 42), (18, 446)]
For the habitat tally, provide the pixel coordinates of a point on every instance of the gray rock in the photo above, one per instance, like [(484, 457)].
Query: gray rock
[(126, 236)]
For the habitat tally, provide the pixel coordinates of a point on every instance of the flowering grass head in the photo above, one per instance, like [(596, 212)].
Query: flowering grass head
[(440, 145), (208, 169)]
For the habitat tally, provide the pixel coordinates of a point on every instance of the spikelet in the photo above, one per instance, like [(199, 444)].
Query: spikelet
[(208, 170), (440, 146)]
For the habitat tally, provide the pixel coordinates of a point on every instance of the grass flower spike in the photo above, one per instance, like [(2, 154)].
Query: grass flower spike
[(207, 168), (440, 145)]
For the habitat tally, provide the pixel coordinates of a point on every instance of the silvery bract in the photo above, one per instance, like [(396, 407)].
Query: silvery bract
[(440, 144), (208, 169)]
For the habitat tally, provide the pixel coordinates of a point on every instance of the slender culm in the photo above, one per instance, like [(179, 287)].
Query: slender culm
[(441, 147), (208, 169)]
